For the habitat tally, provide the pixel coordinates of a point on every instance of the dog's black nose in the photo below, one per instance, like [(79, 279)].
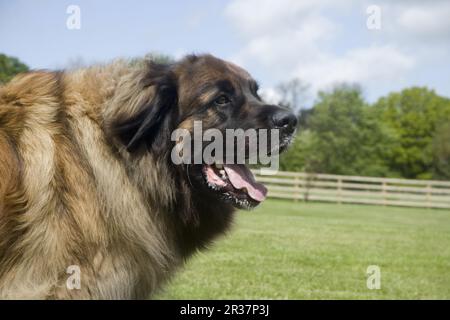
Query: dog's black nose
[(284, 120)]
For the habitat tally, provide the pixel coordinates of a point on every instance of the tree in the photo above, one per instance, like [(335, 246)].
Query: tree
[(342, 136), (414, 114), (295, 158), (9, 67), (153, 56), (441, 152), (293, 94)]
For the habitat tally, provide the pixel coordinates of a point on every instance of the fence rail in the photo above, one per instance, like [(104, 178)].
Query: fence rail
[(354, 189)]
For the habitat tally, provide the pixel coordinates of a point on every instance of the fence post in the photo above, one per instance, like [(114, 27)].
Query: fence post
[(383, 191), (428, 195), (307, 186), (339, 183), (296, 189)]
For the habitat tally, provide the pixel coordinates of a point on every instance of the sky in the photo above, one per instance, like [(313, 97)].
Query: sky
[(382, 45)]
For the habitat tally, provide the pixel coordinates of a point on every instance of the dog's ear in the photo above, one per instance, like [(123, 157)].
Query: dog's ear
[(150, 124)]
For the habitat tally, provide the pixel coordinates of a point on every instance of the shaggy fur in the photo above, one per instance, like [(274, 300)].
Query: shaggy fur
[(86, 179)]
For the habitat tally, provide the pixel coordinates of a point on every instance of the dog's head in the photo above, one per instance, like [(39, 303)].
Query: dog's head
[(218, 95)]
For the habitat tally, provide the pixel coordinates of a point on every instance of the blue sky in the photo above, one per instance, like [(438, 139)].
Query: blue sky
[(322, 42)]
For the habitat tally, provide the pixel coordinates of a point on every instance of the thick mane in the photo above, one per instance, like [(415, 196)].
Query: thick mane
[(74, 198), (87, 181)]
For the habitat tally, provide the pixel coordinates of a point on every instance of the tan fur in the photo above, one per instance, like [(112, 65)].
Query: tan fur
[(86, 179), (66, 197)]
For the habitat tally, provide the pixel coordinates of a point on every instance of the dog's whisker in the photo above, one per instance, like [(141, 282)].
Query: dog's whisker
[(188, 176)]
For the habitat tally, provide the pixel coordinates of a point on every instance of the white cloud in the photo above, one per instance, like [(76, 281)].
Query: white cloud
[(426, 21), (279, 33), (254, 17), (292, 44), (270, 95), (367, 65), (292, 38)]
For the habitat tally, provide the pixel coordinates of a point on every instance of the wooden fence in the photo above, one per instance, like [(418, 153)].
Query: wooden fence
[(354, 189)]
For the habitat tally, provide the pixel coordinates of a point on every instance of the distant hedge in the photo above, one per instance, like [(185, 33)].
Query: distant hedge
[(9, 67)]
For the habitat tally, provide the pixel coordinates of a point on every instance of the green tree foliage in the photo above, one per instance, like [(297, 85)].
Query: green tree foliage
[(342, 136), (405, 134), (415, 114), (301, 149), (441, 152), (9, 67)]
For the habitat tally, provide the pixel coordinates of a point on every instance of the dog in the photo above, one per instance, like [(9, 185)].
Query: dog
[(91, 205)]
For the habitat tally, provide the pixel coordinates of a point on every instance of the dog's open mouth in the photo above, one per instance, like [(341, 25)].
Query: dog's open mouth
[(235, 183)]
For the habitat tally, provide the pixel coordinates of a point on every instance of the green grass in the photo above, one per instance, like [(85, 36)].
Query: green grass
[(288, 250)]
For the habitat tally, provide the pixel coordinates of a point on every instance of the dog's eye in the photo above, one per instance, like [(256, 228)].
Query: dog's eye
[(222, 100)]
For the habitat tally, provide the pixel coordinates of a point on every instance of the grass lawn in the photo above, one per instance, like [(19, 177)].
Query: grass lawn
[(288, 250)]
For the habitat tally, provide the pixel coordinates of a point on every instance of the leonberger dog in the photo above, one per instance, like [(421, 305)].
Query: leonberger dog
[(87, 183)]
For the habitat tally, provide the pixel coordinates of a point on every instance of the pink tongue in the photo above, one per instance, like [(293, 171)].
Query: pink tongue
[(241, 177)]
